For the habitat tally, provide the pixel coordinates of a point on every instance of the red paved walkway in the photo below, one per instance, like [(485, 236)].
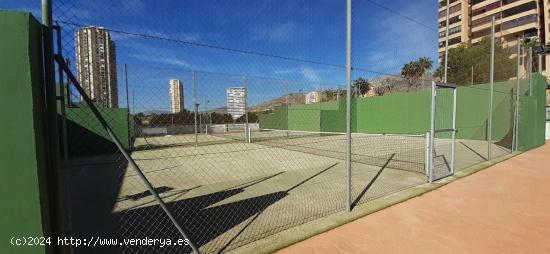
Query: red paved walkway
[(502, 209)]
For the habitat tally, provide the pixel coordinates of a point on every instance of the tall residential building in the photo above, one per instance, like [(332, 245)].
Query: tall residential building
[(176, 96), (236, 102), (312, 97), (470, 21), (96, 65)]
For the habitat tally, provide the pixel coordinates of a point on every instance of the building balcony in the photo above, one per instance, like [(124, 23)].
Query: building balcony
[(511, 31), (504, 20)]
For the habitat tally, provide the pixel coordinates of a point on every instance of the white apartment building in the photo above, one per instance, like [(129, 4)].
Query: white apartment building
[(236, 102), (312, 97), (176, 96)]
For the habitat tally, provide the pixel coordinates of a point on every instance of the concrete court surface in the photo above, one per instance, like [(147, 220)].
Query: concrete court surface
[(502, 209)]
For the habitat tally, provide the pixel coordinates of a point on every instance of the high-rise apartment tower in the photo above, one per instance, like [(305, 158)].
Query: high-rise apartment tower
[(96, 65), (236, 101), (470, 21), (176, 96)]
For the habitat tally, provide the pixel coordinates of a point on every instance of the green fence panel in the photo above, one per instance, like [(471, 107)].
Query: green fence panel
[(87, 137), (23, 150), (400, 113), (409, 113)]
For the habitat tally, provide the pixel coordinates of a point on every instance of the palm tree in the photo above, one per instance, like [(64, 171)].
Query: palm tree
[(361, 86), (415, 70)]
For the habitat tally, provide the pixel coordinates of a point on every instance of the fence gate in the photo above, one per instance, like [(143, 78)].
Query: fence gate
[(442, 131)]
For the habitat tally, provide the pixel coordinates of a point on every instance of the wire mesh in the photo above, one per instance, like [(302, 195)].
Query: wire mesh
[(242, 143), (442, 162)]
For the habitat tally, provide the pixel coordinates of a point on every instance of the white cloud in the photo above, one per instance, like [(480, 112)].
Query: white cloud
[(154, 55), (396, 41), (165, 60), (282, 32), (308, 73)]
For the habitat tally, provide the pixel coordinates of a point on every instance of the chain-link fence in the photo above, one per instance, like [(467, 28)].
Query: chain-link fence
[(221, 139)]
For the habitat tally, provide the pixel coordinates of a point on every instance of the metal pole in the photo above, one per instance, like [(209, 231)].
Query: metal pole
[(540, 63), (206, 101), (127, 102), (246, 130), (348, 103), (338, 94), (516, 111), (60, 209), (210, 118), (446, 43), (196, 108), (472, 74), (427, 158), (287, 108), (491, 84), (62, 103), (530, 68), (121, 148), (432, 134), (67, 87), (453, 138)]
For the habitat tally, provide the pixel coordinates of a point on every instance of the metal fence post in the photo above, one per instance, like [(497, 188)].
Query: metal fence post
[(453, 138), (432, 134), (491, 84), (127, 102), (427, 157), (516, 110), (530, 68), (196, 107), (540, 63), (60, 212), (287, 108), (348, 104), (63, 106), (207, 121), (246, 130), (446, 43)]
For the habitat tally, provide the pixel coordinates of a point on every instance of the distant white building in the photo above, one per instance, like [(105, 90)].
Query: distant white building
[(313, 97), (176, 96), (236, 101)]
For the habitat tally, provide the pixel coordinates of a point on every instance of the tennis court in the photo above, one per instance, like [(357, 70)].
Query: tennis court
[(228, 191)]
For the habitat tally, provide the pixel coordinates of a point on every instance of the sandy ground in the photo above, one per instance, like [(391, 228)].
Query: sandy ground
[(503, 209), (228, 193)]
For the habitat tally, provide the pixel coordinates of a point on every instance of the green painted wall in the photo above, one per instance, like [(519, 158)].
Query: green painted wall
[(86, 136), (533, 116), (23, 188), (409, 113), (333, 118), (398, 113), (275, 120)]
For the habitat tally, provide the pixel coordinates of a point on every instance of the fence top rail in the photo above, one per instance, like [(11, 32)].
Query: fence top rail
[(445, 85), (344, 133)]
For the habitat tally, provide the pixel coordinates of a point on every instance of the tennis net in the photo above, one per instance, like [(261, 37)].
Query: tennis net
[(397, 151)]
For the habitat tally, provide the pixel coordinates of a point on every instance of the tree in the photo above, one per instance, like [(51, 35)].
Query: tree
[(361, 87), (386, 86), (414, 71), (331, 94), (221, 118), (470, 63), (252, 118)]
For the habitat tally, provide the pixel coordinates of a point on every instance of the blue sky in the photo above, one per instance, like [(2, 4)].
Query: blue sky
[(307, 29)]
